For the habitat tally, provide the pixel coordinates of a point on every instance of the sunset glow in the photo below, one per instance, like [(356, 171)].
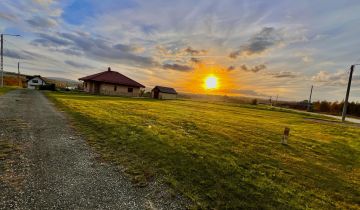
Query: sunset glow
[(211, 82)]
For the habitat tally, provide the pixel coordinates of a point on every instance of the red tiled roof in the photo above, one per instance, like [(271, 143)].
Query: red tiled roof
[(112, 77)]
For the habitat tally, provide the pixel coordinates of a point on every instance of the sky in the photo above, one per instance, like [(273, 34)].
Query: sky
[(256, 48)]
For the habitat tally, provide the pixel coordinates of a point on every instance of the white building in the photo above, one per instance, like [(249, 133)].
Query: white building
[(35, 81)]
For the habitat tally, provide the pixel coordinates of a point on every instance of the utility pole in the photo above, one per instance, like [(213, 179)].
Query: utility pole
[(2, 60), (19, 82), (277, 96), (2, 56), (309, 102), (348, 92)]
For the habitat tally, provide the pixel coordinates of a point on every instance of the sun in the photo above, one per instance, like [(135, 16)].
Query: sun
[(211, 82)]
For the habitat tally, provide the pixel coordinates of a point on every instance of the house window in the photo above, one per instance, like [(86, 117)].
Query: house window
[(85, 84), (35, 81), (130, 90), (115, 87)]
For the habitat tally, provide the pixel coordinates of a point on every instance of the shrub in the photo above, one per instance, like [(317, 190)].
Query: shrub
[(254, 101), (48, 87)]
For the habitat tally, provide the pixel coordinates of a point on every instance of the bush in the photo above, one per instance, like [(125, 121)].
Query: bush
[(254, 102), (324, 106), (48, 87)]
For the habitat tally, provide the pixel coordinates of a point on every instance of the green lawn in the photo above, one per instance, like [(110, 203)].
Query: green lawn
[(4, 90), (224, 156)]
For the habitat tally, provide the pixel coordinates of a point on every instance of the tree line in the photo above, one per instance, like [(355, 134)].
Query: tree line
[(336, 107), (328, 107)]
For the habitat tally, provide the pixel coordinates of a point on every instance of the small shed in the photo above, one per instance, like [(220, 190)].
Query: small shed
[(35, 82), (160, 92)]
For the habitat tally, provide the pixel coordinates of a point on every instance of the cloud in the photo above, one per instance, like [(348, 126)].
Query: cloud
[(306, 59), (104, 50), (68, 51), (129, 48), (231, 68), (284, 74), (339, 78), (192, 51), (77, 65), (43, 2), (18, 54), (8, 17), (195, 60), (47, 41), (177, 49), (254, 69), (42, 22), (94, 47), (177, 67), (259, 43), (124, 48)]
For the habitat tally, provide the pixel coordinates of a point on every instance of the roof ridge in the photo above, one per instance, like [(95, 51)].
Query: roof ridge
[(112, 77), (127, 77), (92, 75)]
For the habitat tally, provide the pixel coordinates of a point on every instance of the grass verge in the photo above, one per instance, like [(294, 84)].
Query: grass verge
[(224, 156), (4, 90)]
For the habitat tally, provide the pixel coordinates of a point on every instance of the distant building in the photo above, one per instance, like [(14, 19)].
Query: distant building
[(35, 82), (111, 83), (159, 92)]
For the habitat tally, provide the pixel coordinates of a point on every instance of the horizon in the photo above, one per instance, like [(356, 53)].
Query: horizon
[(250, 49)]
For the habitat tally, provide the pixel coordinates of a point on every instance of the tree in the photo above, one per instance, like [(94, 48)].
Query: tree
[(254, 101), (324, 106)]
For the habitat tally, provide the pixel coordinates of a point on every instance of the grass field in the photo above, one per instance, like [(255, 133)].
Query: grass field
[(4, 90), (224, 156)]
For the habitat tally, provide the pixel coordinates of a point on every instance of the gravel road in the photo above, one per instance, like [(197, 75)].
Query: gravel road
[(53, 167)]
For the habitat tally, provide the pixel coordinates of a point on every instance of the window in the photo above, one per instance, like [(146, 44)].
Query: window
[(35, 81), (115, 87), (130, 90), (85, 84)]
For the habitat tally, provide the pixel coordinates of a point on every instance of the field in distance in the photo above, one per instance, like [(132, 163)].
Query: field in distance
[(223, 155)]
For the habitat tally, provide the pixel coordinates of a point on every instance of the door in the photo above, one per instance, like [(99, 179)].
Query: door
[(97, 88)]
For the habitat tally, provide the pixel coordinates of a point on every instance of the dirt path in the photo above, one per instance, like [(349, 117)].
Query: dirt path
[(53, 168)]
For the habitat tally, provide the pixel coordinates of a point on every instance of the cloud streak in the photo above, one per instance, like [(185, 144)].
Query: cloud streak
[(254, 69), (78, 65), (94, 47), (285, 74), (268, 37), (177, 67), (42, 22)]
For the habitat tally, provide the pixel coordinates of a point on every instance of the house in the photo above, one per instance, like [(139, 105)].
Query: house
[(111, 83), (160, 92), (35, 82)]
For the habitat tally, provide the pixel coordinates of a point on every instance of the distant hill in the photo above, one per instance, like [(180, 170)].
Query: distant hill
[(11, 79), (63, 80)]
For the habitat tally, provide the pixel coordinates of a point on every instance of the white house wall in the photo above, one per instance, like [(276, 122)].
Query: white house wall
[(31, 84)]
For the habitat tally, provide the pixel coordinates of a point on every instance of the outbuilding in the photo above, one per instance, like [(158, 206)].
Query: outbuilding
[(35, 82), (160, 92), (111, 83)]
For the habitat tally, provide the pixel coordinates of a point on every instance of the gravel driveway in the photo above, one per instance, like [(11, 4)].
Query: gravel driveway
[(53, 167)]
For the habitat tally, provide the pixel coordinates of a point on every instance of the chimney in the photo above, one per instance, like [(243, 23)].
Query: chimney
[(109, 69)]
